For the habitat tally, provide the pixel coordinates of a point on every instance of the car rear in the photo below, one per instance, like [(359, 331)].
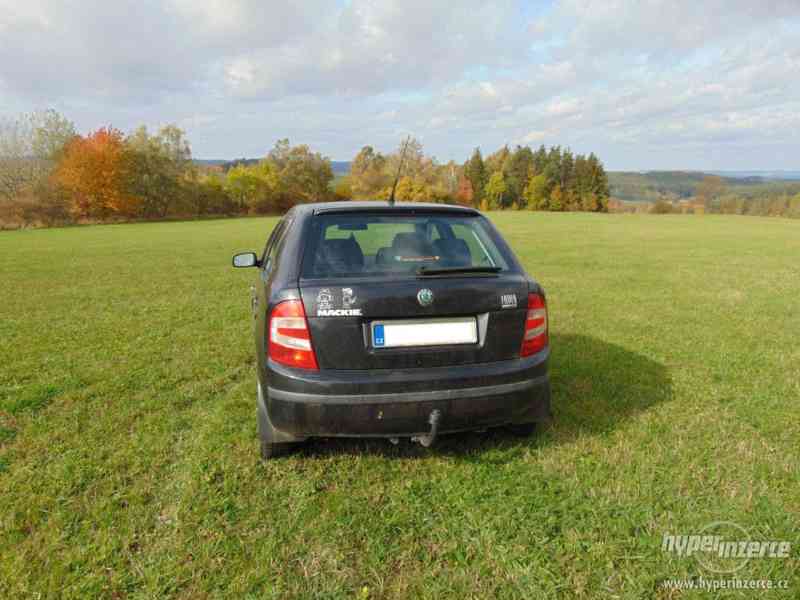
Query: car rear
[(401, 313)]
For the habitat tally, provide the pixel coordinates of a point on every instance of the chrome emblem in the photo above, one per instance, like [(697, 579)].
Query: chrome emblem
[(425, 297)]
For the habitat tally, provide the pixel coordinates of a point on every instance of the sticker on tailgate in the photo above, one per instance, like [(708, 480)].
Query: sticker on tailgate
[(378, 339), (508, 301)]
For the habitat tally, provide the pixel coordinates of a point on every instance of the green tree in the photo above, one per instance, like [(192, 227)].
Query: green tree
[(254, 188), (243, 185), (305, 176), (368, 173), (495, 190), (30, 145), (536, 195), (161, 166), (51, 133), (342, 189), (589, 202), (475, 172), (495, 161)]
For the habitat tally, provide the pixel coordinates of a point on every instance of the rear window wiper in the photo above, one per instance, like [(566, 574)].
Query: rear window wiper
[(426, 271)]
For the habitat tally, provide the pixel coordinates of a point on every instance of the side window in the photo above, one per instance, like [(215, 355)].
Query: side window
[(280, 233), (271, 243)]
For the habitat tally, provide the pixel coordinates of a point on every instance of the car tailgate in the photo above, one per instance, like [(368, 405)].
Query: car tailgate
[(341, 319)]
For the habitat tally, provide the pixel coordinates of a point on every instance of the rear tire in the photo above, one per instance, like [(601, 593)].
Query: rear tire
[(270, 450), (269, 436), (522, 429)]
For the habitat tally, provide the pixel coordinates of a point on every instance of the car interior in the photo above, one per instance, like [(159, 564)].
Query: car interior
[(408, 251)]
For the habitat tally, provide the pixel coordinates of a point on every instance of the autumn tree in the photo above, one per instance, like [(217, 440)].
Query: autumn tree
[(206, 194), (368, 173), (96, 171), (254, 187), (342, 190), (304, 176), (556, 198), (495, 161), (464, 195), (495, 190), (709, 189), (535, 193)]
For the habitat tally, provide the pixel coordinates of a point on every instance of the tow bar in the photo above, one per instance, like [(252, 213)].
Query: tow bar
[(428, 439)]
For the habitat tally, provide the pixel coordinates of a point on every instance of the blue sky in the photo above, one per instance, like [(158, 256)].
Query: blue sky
[(647, 84)]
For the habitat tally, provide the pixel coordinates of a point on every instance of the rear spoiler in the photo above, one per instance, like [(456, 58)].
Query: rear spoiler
[(398, 209)]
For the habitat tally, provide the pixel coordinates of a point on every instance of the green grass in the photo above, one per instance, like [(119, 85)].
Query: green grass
[(128, 453)]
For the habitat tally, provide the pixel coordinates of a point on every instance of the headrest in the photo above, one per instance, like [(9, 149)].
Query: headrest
[(411, 244), (454, 252), (341, 255)]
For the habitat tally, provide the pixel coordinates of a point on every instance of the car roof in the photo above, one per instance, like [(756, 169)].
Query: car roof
[(380, 206)]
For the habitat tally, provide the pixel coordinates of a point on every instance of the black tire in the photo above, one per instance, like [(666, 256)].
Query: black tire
[(522, 429), (270, 448)]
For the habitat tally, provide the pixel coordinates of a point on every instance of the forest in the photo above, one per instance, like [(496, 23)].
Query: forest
[(52, 175)]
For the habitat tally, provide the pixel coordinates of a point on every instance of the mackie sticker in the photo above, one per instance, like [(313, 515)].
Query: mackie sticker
[(508, 301), (324, 300), (348, 298), (325, 304), (339, 312)]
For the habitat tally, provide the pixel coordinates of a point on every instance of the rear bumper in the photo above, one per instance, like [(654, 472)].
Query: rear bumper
[(381, 403)]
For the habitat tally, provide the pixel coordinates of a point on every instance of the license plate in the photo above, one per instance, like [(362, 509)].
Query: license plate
[(424, 332)]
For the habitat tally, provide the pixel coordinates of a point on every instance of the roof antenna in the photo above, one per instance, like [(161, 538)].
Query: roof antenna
[(399, 169)]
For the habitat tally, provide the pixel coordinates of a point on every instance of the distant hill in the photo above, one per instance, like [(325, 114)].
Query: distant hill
[(766, 175), (650, 186), (340, 167), (205, 162)]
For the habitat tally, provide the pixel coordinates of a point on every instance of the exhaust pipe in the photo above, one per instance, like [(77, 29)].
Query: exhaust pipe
[(428, 439)]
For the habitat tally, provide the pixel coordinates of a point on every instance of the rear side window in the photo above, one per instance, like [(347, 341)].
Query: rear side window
[(360, 245), (274, 242)]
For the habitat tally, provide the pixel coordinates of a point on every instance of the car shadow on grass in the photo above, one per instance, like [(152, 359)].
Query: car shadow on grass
[(596, 386)]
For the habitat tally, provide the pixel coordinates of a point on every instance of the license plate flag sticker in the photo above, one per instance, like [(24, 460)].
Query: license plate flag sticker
[(378, 338)]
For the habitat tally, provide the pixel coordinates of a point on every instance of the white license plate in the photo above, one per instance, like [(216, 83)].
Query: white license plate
[(424, 332)]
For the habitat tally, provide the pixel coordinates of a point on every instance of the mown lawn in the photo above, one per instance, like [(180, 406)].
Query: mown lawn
[(128, 452)]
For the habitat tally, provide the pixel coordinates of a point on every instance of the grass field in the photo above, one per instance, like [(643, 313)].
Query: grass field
[(128, 452)]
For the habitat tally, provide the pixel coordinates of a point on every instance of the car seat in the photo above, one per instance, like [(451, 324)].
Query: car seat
[(454, 252), (340, 256)]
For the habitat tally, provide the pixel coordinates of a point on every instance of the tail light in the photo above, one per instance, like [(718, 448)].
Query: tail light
[(535, 338), (289, 336)]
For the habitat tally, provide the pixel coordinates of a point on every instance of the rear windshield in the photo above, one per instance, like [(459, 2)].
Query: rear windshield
[(359, 245)]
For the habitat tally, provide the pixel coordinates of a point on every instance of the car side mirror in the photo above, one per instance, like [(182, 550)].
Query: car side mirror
[(245, 259)]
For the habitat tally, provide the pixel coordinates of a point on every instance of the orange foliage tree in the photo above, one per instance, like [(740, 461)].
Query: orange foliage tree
[(464, 194), (96, 171)]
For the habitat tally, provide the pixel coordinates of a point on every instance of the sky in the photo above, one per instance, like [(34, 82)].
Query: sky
[(645, 84)]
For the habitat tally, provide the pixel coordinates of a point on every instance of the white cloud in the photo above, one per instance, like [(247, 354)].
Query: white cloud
[(645, 84)]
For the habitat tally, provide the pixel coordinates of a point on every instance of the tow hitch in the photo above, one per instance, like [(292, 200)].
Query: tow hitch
[(428, 439)]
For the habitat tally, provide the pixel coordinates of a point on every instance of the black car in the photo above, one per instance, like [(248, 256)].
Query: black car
[(394, 320)]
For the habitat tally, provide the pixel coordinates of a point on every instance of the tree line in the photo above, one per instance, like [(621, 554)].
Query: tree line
[(51, 174), (544, 179), (714, 195)]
